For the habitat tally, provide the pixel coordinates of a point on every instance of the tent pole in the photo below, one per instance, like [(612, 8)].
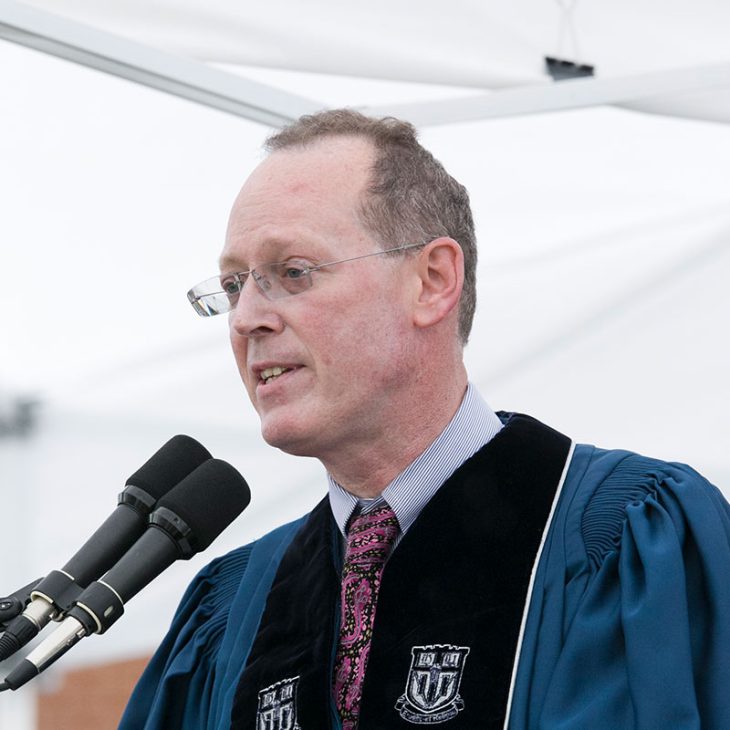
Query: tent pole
[(136, 62), (568, 94)]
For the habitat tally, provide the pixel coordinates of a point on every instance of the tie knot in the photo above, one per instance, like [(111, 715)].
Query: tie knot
[(371, 536)]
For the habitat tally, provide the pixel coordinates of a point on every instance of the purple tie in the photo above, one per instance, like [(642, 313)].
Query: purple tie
[(369, 542)]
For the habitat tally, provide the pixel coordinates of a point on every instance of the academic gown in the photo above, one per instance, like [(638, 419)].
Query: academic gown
[(620, 562)]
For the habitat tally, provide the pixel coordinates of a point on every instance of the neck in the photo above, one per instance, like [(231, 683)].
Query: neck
[(366, 467)]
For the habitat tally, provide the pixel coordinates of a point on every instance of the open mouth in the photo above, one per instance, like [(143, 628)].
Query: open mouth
[(270, 374)]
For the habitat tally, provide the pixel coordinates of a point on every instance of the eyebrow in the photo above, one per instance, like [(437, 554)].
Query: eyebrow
[(230, 264), (227, 263)]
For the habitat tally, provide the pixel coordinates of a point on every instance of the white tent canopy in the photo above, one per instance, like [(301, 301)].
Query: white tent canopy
[(604, 233), (486, 46)]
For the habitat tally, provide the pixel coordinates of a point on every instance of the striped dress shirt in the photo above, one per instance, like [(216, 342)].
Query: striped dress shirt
[(474, 424)]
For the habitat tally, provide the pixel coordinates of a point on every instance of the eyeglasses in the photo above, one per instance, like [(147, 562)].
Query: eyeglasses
[(278, 280)]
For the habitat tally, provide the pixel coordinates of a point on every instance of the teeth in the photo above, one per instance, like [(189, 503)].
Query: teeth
[(270, 373)]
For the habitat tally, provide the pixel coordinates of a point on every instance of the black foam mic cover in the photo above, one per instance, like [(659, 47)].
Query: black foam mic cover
[(169, 465), (208, 500)]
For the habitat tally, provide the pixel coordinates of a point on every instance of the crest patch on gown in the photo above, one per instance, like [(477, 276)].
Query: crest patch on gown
[(432, 687), (277, 709)]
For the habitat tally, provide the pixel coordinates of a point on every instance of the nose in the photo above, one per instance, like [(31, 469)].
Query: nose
[(254, 315)]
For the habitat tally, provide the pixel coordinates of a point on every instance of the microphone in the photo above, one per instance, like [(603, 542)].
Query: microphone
[(186, 521), (157, 476)]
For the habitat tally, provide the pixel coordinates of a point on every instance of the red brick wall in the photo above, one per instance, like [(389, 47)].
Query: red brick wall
[(91, 698)]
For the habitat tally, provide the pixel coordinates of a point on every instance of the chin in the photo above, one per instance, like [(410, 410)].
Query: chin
[(290, 437)]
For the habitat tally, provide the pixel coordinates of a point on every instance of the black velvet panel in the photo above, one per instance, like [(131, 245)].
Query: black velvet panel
[(297, 631), (459, 577)]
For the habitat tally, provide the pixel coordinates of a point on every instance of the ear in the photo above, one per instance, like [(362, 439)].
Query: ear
[(440, 278)]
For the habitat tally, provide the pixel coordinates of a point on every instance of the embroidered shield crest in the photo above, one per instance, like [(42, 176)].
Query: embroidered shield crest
[(277, 708), (432, 687)]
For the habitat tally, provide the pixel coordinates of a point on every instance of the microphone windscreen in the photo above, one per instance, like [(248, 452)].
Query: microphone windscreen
[(171, 463), (208, 500)]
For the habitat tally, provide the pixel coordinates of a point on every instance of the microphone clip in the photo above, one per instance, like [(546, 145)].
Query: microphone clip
[(30, 608), (13, 604)]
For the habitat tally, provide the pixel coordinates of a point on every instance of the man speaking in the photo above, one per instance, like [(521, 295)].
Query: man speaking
[(467, 569)]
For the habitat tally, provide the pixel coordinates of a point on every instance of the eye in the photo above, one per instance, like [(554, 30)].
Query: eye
[(294, 271), (293, 276), (231, 284)]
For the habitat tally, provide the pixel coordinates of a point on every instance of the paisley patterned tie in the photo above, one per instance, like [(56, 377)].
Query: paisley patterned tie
[(369, 542)]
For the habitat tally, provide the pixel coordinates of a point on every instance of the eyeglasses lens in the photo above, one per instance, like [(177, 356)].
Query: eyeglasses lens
[(276, 281)]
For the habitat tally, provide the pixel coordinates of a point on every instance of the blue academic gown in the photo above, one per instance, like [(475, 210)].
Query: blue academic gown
[(627, 625)]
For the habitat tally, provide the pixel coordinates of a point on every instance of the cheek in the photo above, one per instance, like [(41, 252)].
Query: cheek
[(368, 344), (239, 346)]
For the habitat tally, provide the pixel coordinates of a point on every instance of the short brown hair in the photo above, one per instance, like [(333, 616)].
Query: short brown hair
[(411, 198)]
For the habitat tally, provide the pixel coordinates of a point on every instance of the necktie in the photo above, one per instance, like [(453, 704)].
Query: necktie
[(369, 542)]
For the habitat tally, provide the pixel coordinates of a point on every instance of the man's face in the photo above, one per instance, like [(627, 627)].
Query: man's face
[(344, 343)]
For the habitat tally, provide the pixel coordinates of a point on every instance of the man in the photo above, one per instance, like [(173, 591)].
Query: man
[(465, 570)]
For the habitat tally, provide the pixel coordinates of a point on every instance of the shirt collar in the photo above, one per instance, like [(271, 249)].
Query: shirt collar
[(474, 424)]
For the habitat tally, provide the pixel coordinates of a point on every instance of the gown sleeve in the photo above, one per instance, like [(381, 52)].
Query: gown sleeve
[(629, 625), (176, 687)]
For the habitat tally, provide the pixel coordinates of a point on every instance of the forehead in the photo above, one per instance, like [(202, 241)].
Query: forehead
[(307, 197)]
